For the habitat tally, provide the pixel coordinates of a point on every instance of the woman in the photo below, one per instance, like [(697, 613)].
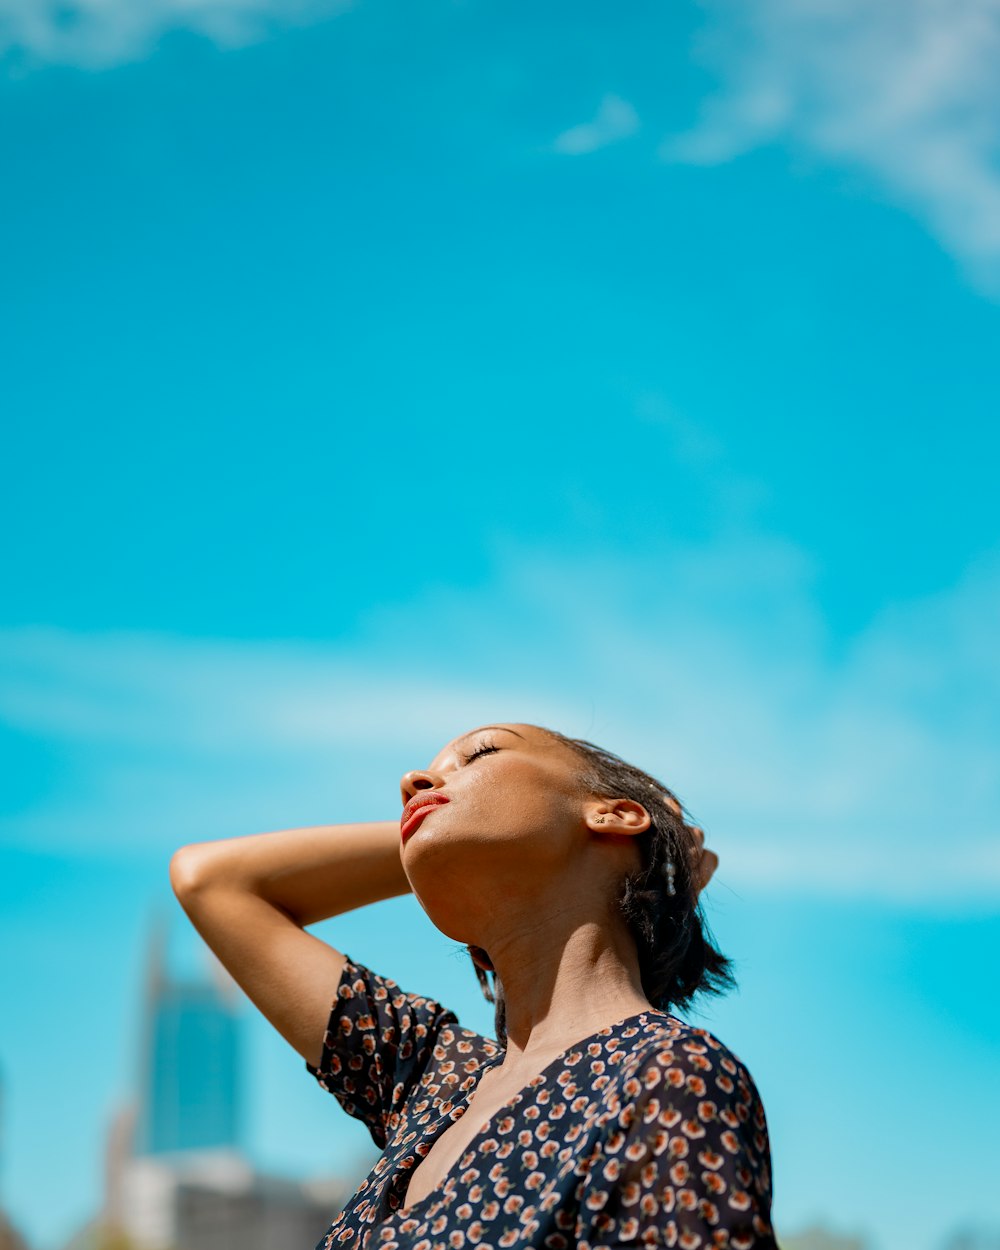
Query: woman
[(596, 1119)]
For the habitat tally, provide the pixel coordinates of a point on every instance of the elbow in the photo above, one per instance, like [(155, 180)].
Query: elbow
[(188, 874)]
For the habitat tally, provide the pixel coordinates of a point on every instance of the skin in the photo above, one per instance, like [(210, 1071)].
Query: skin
[(519, 862), (522, 864)]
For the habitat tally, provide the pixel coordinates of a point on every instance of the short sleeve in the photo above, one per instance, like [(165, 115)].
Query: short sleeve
[(685, 1162), (378, 1043)]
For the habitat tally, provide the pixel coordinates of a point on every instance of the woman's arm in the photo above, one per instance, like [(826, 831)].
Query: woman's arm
[(250, 898)]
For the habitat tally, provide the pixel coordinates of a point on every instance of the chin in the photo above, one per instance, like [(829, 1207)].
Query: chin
[(455, 897), (456, 919)]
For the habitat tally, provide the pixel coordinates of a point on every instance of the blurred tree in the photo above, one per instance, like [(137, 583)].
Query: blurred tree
[(973, 1239), (10, 1238), (111, 1238), (98, 1234)]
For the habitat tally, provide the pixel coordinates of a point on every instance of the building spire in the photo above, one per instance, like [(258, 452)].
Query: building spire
[(157, 973), (190, 1060)]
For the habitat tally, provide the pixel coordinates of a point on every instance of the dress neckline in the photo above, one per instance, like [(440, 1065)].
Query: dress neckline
[(432, 1195)]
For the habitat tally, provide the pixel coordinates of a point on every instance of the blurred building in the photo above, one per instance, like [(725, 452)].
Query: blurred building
[(218, 1202), (176, 1175), (190, 1092), (10, 1238), (818, 1238)]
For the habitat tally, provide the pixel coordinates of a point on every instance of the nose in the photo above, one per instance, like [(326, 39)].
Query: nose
[(410, 783)]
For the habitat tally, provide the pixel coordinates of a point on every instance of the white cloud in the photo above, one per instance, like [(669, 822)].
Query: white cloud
[(906, 90), (872, 772), (96, 34), (616, 119)]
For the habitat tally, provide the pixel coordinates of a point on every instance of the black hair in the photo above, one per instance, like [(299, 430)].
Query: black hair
[(678, 957)]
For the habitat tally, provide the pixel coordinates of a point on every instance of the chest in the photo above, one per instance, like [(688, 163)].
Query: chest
[(490, 1099)]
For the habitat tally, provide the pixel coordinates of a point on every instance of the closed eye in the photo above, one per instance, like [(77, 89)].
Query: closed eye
[(485, 748)]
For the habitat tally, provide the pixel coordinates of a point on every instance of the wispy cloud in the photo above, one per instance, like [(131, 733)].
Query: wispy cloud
[(906, 90), (97, 34), (616, 119), (868, 773)]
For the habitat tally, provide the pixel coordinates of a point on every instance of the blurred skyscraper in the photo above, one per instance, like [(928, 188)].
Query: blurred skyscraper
[(177, 1178), (190, 1093)]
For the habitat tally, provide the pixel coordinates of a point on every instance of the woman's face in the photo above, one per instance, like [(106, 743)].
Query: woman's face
[(496, 820)]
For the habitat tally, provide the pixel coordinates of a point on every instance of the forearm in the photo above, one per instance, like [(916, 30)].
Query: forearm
[(250, 898), (309, 874)]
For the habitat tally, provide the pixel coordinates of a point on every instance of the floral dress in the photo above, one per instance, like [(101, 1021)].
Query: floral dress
[(647, 1133)]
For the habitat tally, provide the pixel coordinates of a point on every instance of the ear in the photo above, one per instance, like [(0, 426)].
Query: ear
[(617, 816)]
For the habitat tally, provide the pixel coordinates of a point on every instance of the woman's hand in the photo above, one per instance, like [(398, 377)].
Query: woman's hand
[(705, 861)]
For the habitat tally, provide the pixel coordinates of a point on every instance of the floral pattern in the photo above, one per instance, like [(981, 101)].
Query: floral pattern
[(648, 1133)]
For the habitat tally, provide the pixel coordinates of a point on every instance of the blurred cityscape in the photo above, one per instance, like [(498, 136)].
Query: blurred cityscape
[(176, 1177), (819, 1238)]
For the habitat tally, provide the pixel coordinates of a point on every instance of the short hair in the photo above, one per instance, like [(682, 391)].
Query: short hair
[(678, 958)]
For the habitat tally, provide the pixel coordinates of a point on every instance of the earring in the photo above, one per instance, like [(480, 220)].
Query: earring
[(598, 820)]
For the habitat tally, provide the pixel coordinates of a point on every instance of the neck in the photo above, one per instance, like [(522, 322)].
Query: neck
[(564, 977)]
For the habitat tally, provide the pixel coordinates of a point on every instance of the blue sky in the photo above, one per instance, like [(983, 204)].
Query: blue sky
[(377, 371)]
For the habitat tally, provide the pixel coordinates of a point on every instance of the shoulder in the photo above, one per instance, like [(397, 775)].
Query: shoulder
[(384, 1014), (660, 1048), (683, 1144), (693, 1078), (362, 985)]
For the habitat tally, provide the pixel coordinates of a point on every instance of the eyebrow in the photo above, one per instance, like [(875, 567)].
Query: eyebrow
[(484, 728)]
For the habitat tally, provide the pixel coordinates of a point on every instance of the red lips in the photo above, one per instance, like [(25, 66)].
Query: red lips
[(416, 809)]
